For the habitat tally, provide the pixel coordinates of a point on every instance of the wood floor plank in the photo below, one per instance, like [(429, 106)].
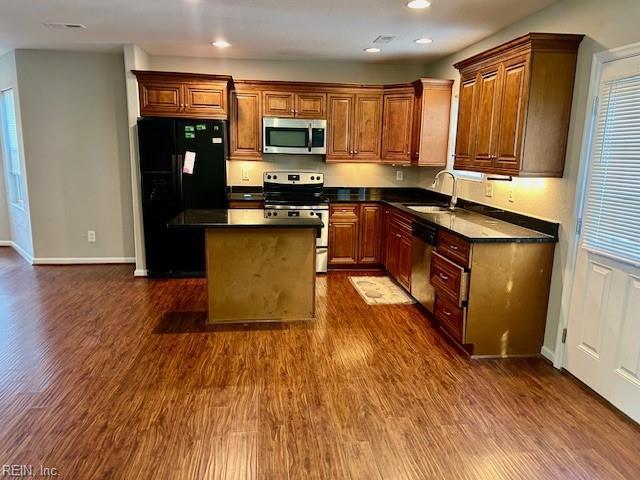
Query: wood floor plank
[(103, 375)]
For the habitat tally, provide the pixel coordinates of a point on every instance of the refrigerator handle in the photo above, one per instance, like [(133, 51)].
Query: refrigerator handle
[(179, 168)]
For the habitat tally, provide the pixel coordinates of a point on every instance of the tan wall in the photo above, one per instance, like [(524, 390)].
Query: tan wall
[(305, 71), (74, 124), (606, 24)]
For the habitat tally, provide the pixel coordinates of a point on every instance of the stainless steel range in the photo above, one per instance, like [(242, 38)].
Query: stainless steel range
[(299, 194)]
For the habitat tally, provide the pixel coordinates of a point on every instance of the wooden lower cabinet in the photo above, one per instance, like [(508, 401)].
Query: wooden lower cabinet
[(398, 241), (354, 235)]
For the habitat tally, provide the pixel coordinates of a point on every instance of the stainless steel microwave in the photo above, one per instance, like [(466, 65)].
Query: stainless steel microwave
[(294, 135)]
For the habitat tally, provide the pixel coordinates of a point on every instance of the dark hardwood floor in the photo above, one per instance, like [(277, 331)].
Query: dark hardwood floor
[(106, 376)]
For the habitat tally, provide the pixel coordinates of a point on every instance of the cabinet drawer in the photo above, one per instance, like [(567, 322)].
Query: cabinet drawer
[(345, 210), (449, 278), (454, 248), (450, 316)]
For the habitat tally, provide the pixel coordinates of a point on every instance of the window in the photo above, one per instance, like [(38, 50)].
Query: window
[(10, 147), (612, 212)]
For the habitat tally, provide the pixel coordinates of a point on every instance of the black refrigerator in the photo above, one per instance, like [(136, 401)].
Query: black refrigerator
[(166, 190)]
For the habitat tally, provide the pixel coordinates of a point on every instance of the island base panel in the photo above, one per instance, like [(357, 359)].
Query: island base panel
[(261, 275)]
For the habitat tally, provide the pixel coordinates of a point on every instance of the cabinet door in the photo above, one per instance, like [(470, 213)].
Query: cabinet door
[(487, 117), (278, 104), (396, 128), (392, 247), (161, 99), (343, 241), (310, 105), (370, 234), (246, 125), (340, 119), (367, 129), (514, 93), (205, 100), (404, 260), (466, 114)]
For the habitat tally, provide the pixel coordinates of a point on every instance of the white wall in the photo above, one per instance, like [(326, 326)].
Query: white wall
[(606, 24), (18, 217), (5, 226), (74, 127)]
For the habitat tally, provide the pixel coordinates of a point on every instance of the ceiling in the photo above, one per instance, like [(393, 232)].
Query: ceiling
[(265, 29)]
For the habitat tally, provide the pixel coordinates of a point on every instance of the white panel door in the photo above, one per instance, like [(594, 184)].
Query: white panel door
[(603, 337)]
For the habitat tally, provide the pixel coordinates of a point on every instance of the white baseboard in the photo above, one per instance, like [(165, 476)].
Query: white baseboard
[(140, 272), (82, 260), (17, 248), (548, 354)]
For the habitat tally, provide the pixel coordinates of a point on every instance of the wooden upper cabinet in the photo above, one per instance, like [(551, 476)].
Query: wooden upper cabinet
[(367, 127), (246, 125), (311, 105), (294, 104), (339, 121), (396, 127), (188, 95), (487, 117), (466, 115), (205, 99), (160, 98), (431, 120), (508, 142), (515, 106), (279, 104)]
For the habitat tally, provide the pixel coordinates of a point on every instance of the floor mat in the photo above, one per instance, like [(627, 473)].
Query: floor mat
[(380, 291)]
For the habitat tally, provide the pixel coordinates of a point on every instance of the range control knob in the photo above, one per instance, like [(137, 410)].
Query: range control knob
[(269, 177), (268, 214), (313, 178), (275, 177), (275, 214)]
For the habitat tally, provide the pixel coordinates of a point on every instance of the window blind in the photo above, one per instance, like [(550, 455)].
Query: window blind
[(10, 132), (612, 213)]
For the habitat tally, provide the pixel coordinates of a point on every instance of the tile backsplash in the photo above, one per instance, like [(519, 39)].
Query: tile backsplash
[(241, 173)]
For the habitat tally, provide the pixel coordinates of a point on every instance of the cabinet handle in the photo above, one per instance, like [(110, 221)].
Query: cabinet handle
[(442, 275), (293, 111), (453, 247), (356, 152), (446, 312)]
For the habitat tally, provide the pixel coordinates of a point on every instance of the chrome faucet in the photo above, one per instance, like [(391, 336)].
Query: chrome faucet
[(454, 195)]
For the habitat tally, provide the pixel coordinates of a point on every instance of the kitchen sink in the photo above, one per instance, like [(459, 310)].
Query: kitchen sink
[(428, 208)]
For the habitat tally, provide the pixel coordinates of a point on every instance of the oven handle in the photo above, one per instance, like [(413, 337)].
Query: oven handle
[(310, 142)]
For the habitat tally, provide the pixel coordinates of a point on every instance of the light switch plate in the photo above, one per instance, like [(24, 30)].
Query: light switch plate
[(488, 189), (245, 174), (91, 236), (399, 175), (511, 199)]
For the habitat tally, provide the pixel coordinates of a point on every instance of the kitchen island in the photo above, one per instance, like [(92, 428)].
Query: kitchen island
[(259, 268)]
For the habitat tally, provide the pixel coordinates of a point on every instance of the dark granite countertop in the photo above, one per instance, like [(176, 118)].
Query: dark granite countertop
[(473, 221), (240, 218), (476, 227)]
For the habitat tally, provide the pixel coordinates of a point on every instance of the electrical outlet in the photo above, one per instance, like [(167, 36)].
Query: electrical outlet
[(510, 198), (399, 175), (91, 236), (488, 189), (245, 174)]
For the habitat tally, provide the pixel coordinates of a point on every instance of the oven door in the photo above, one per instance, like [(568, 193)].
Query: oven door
[(294, 136)]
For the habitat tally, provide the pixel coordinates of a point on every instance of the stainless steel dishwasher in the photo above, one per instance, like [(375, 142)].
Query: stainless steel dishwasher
[(424, 239)]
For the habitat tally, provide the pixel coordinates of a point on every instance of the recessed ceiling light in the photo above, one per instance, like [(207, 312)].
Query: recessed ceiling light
[(423, 41), (418, 4), (372, 50), (221, 44)]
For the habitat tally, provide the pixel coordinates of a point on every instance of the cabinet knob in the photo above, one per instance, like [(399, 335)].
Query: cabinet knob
[(293, 111), (453, 247), (356, 152)]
